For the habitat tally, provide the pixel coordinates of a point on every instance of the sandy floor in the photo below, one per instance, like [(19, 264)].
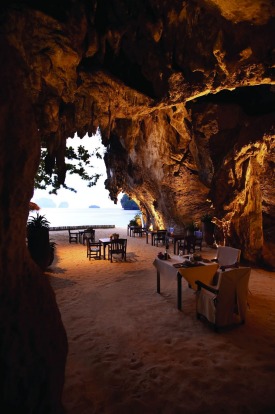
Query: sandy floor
[(132, 352)]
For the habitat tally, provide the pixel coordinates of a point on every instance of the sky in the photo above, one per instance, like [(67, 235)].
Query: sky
[(85, 196)]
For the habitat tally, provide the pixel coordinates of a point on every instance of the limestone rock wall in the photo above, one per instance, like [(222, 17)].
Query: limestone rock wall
[(183, 94), (141, 72), (239, 145), (33, 343), (157, 169)]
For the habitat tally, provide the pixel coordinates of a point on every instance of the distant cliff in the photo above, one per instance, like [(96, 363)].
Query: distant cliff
[(128, 204), (63, 204), (45, 203)]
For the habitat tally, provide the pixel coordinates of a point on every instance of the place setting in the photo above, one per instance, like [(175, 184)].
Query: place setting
[(191, 260)]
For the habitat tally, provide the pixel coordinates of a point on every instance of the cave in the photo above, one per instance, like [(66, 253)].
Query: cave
[(183, 95)]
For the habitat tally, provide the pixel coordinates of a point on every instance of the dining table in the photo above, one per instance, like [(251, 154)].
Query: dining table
[(151, 233), (131, 229), (178, 268), (104, 242)]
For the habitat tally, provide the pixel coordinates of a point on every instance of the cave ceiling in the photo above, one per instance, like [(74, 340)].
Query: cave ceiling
[(182, 92)]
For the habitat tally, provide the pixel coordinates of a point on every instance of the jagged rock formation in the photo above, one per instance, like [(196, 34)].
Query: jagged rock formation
[(183, 95), (33, 341)]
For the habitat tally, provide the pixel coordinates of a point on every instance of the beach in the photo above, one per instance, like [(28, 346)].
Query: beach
[(131, 351)]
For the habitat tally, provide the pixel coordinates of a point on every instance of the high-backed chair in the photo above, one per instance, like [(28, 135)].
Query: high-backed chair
[(226, 305), (93, 249), (160, 237), (73, 236), (117, 246), (188, 244), (227, 257), (139, 231), (88, 234)]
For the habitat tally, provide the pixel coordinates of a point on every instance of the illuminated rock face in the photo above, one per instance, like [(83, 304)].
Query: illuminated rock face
[(183, 95)]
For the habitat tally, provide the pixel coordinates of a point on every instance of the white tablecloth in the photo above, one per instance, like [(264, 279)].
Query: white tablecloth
[(165, 267), (204, 273)]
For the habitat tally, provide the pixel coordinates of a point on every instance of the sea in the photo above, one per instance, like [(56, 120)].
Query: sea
[(59, 217)]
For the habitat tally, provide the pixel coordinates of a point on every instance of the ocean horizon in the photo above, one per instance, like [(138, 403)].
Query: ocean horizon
[(59, 217)]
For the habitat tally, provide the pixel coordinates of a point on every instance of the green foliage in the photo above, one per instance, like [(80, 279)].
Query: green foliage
[(38, 222), (40, 247), (136, 221), (77, 162), (128, 204)]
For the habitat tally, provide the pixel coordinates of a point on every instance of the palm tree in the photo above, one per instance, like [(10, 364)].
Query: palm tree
[(40, 247)]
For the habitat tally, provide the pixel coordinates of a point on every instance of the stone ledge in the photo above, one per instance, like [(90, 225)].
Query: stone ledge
[(96, 226)]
